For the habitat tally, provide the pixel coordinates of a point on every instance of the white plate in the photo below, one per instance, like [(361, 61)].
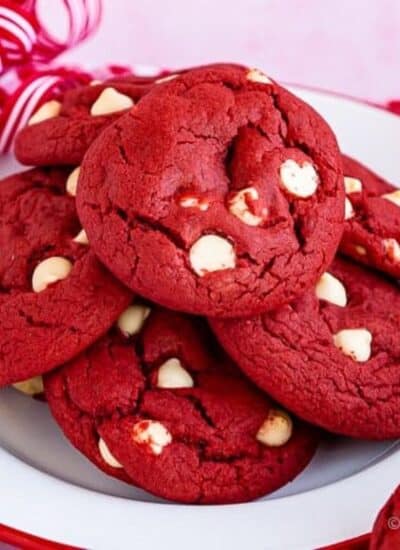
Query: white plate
[(50, 490)]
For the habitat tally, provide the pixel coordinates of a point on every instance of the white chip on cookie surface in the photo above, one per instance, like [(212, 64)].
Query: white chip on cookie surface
[(32, 386), (352, 185), (107, 456), (300, 180), (276, 430), (191, 201), (49, 271), (240, 205), (211, 253), (72, 182), (332, 290), (131, 321), (111, 101), (50, 109), (166, 78), (172, 374), (393, 197), (392, 249), (152, 434), (81, 238), (361, 250), (348, 209), (355, 343), (255, 75)]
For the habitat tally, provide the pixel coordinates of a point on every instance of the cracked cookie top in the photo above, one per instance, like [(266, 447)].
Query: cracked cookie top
[(372, 228), (55, 297), (61, 131), (156, 403), (331, 356), (220, 193)]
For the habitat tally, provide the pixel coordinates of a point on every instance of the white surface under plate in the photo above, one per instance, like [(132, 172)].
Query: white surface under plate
[(48, 489)]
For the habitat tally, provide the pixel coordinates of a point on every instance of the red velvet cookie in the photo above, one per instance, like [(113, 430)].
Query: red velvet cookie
[(220, 194), (372, 228), (332, 356), (55, 297), (155, 401), (386, 530), (60, 132)]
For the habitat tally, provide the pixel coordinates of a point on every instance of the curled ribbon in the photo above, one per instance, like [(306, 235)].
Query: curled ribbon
[(24, 36), (26, 49)]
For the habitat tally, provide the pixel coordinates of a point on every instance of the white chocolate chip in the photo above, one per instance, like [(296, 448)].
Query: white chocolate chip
[(392, 249), (348, 209), (211, 253), (329, 288), (81, 237), (48, 110), (193, 202), (131, 321), (72, 182), (240, 206), (110, 101), (171, 374), (299, 180), (393, 197), (153, 434), (352, 185), (107, 456), (355, 343), (255, 75), (32, 386), (360, 250), (166, 78), (276, 430), (95, 82), (50, 271)]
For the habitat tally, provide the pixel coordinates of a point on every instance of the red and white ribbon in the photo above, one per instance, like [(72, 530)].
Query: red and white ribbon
[(83, 18), (18, 34), (26, 48), (32, 90), (24, 36)]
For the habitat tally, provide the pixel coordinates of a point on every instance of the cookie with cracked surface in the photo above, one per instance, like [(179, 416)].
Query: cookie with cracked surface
[(55, 297), (372, 228), (220, 194), (156, 402), (332, 356), (386, 531), (60, 132)]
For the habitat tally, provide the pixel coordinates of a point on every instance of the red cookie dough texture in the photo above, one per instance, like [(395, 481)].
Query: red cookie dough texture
[(56, 298), (220, 194), (61, 131), (332, 356), (372, 229), (386, 530), (155, 403)]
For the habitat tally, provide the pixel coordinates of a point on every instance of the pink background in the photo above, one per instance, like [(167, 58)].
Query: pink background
[(350, 46)]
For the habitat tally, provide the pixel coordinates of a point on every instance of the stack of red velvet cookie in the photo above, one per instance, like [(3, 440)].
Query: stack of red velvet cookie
[(163, 211)]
